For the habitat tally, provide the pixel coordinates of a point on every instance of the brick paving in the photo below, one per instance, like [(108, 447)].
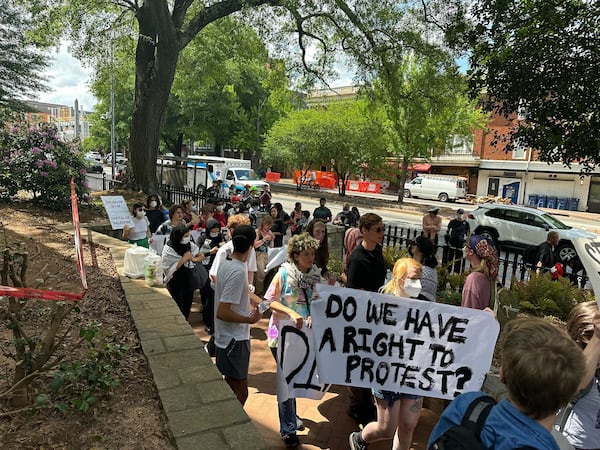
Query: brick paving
[(327, 424)]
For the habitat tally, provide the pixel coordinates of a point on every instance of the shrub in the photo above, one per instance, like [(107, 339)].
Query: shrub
[(34, 159), (542, 296), (393, 253), (449, 286)]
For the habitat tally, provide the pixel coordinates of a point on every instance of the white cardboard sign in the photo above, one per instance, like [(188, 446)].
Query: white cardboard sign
[(399, 344), (117, 211), (588, 251)]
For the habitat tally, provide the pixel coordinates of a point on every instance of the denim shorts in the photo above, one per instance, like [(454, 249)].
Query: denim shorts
[(391, 397)]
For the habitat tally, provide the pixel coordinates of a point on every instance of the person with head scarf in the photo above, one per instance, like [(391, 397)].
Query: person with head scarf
[(179, 258), (423, 251), (397, 413), (480, 283), (289, 295)]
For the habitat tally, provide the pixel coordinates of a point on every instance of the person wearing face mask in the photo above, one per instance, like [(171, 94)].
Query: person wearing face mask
[(397, 414), (155, 212), (480, 283), (138, 232), (179, 257), (220, 213), (458, 232), (190, 212), (423, 251)]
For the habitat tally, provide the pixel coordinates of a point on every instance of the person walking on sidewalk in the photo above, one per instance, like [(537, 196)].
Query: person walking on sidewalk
[(322, 212)]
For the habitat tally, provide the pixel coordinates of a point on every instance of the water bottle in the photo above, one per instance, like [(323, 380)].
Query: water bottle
[(272, 332), (263, 307)]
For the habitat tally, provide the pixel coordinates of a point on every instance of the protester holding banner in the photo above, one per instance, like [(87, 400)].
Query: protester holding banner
[(290, 294), (179, 258), (481, 281), (366, 270), (542, 369), (423, 250), (234, 313), (580, 421), (139, 233), (397, 414)]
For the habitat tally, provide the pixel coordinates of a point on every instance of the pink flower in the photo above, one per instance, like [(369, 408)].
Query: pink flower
[(43, 174), (32, 128), (39, 164), (85, 185), (82, 172), (36, 150), (48, 146)]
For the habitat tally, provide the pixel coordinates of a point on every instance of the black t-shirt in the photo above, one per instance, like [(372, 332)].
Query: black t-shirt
[(458, 230), (366, 269), (546, 256), (156, 217)]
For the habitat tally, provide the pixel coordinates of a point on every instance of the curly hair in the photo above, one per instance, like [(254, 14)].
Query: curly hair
[(299, 242)]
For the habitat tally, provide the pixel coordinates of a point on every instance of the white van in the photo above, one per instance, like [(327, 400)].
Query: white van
[(445, 188)]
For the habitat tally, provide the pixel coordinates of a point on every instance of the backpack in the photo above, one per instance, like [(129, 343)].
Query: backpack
[(467, 434)]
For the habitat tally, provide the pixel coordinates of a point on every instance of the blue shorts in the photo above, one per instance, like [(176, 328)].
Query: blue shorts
[(391, 397)]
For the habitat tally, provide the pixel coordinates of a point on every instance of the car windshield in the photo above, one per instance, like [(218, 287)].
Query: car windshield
[(245, 174), (555, 222)]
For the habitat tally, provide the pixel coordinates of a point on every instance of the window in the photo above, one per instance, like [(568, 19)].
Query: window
[(459, 145), (519, 151)]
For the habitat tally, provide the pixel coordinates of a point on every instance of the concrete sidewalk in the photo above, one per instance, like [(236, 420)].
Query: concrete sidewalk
[(327, 424)]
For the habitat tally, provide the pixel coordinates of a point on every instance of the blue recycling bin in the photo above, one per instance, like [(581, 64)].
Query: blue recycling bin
[(551, 202), (562, 203), (532, 200), (573, 204), (541, 201)]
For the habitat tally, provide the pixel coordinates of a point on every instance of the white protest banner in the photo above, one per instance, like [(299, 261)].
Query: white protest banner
[(297, 372), (401, 345), (588, 251), (117, 211)]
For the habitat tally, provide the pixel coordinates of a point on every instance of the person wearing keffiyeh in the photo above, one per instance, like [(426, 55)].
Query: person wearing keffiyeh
[(481, 280)]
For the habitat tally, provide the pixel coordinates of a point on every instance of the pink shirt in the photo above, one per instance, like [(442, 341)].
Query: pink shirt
[(476, 291)]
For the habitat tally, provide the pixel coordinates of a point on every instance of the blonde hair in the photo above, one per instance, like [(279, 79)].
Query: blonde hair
[(398, 273), (535, 354), (300, 242), (581, 319), (236, 220)]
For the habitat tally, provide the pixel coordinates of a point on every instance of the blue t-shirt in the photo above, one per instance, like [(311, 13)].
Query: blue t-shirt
[(506, 428)]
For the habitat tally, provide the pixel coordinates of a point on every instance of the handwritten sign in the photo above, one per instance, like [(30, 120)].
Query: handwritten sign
[(588, 251), (401, 345), (117, 211), (297, 374)]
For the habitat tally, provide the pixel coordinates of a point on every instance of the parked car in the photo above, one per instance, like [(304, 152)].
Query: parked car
[(445, 188), (523, 226), (94, 155), (93, 166)]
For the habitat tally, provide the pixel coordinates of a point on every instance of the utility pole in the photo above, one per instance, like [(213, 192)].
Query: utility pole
[(112, 109)]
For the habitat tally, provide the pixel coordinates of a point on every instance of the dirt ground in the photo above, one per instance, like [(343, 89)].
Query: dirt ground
[(131, 415)]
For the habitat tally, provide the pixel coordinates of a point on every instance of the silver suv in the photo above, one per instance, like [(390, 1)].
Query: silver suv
[(522, 226)]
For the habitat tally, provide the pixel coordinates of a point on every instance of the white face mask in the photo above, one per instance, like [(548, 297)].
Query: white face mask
[(153, 204), (461, 216), (412, 287), (220, 208), (465, 252), (194, 209), (214, 235), (140, 214), (185, 240)]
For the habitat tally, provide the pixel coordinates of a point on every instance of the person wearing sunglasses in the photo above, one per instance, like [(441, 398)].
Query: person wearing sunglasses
[(366, 271)]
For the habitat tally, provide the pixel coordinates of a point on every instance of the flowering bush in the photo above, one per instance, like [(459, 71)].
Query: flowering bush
[(34, 159)]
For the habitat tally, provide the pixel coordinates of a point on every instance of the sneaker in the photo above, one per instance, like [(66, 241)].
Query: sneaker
[(356, 443), (211, 348), (290, 440), (299, 424)]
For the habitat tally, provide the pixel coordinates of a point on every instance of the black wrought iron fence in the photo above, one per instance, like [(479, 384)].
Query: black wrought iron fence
[(175, 195), (101, 182)]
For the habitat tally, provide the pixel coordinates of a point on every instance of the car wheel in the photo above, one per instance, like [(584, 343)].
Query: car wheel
[(406, 193), (489, 234), (566, 252), (443, 197)]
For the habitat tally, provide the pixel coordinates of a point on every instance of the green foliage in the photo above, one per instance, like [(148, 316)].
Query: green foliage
[(450, 285), (392, 253), (540, 58), (34, 159), (79, 384), (542, 296)]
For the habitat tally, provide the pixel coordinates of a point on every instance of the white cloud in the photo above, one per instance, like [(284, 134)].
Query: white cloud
[(68, 81)]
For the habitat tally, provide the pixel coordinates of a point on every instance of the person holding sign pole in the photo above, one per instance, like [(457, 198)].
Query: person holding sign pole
[(397, 413), (480, 284), (290, 294), (366, 271), (580, 421)]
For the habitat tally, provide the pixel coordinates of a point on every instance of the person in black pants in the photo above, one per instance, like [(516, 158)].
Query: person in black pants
[(458, 233), (366, 271)]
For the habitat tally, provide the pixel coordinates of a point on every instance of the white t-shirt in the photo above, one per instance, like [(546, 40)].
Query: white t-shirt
[(139, 229), (232, 287), (226, 250)]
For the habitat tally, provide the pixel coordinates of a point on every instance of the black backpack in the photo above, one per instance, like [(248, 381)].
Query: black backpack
[(467, 435)]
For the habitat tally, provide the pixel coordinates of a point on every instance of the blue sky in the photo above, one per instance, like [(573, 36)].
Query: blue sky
[(68, 81)]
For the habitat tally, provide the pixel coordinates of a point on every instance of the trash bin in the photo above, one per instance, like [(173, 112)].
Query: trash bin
[(532, 200), (562, 203), (541, 201), (551, 202), (573, 204)]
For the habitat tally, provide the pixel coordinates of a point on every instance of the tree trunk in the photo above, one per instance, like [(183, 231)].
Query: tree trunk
[(155, 64)]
